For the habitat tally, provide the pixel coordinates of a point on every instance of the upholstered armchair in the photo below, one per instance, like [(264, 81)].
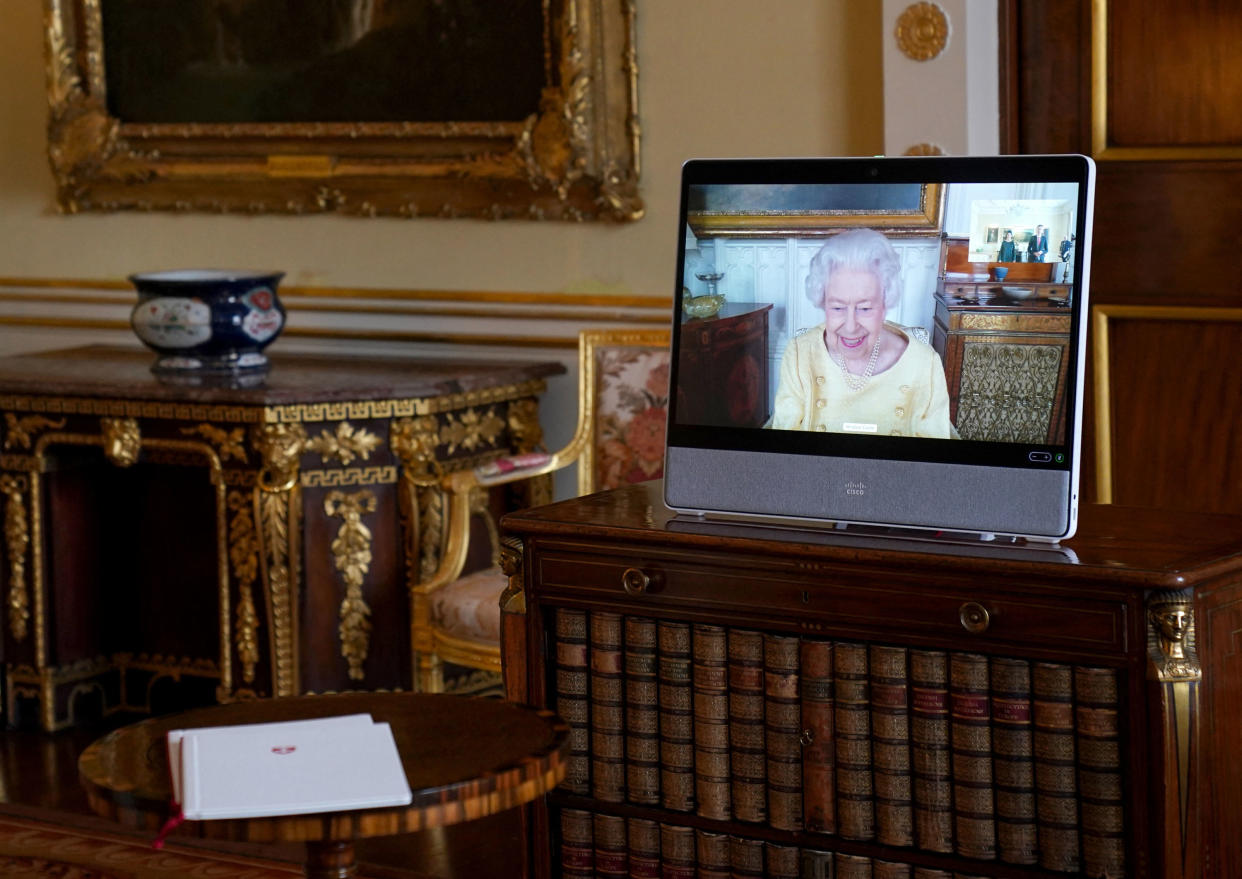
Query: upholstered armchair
[(619, 438)]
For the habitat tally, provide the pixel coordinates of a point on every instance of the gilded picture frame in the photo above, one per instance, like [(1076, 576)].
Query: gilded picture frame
[(574, 157), (783, 211)]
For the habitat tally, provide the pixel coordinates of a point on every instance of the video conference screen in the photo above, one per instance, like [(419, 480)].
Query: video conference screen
[(858, 317)]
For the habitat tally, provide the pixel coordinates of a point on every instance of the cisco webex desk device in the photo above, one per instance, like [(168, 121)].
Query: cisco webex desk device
[(925, 342)]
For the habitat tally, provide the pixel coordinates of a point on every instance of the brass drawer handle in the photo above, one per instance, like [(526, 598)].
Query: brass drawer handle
[(975, 617), (635, 581)]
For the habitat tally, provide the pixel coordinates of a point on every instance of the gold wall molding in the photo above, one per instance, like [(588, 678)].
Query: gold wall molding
[(364, 294), (351, 552), (536, 320)]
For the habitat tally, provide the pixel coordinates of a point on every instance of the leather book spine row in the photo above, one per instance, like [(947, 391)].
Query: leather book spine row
[(852, 722), (992, 758), (643, 837), (676, 717), (1099, 771), (746, 858), (715, 859), (710, 678), (577, 844), (748, 759), (1013, 763), (611, 847), (852, 866), (572, 696), (930, 750), (971, 731), (890, 745), (890, 869), (642, 712), (678, 859), (819, 784), (782, 722), (607, 708), (781, 861), (604, 845), (1056, 783), (816, 864)]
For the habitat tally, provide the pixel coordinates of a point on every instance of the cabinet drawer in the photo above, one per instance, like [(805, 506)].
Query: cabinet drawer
[(838, 604)]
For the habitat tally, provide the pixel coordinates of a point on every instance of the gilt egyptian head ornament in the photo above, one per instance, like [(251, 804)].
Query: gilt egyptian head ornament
[(1170, 618)]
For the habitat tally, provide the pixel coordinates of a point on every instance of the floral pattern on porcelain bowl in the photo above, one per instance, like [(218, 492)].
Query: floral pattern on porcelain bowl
[(207, 320)]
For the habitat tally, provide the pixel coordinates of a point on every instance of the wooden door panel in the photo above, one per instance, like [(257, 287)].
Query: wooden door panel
[(1174, 74), (1168, 219), (1170, 440)]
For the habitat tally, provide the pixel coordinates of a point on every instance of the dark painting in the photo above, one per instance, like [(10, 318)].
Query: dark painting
[(233, 61), (791, 198)]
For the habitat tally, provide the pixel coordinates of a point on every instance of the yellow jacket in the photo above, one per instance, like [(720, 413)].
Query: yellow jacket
[(908, 399)]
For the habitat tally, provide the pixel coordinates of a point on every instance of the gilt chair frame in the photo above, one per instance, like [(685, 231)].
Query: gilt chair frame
[(465, 497)]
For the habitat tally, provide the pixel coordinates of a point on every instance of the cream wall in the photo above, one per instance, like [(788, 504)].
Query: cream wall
[(716, 77)]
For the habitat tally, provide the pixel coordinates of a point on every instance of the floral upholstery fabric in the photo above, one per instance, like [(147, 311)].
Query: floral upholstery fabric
[(469, 607), (631, 400)]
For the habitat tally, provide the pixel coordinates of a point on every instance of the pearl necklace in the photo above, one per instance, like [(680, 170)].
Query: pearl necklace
[(858, 382)]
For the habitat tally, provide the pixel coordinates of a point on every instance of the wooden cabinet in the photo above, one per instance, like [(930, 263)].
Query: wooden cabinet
[(724, 359), (1006, 361), (173, 545), (1084, 720)]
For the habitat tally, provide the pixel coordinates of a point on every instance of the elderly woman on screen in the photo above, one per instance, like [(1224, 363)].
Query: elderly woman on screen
[(855, 372)]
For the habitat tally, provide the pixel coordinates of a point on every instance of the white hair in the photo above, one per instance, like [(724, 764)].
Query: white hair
[(859, 249)]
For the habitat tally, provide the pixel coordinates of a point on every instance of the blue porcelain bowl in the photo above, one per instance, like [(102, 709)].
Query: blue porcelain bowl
[(207, 321), (999, 272)]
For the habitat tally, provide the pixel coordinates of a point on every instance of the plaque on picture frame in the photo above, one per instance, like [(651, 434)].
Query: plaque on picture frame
[(366, 107)]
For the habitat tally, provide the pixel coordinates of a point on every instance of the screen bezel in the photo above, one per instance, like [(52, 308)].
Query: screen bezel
[(992, 456)]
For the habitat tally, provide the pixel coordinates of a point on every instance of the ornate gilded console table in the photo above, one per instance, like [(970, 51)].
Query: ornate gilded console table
[(168, 545)]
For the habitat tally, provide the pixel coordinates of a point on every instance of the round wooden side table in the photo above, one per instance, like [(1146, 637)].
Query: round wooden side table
[(464, 759)]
